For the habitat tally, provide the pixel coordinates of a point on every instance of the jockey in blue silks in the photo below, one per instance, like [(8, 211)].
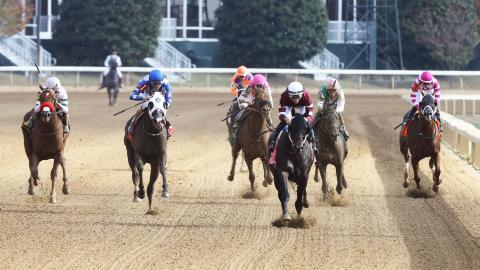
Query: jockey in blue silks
[(155, 81)]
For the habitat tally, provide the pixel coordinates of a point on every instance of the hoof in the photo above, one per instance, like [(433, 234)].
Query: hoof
[(435, 188), (165, 194), (286, 217), (326, 196), (141, 194), (230, 178), (52, 200), (35, 182), (265, 183), (30, 190), (136, 199), (405, 184), (339, 189), (316, 179), (65, 190), (306, 204)]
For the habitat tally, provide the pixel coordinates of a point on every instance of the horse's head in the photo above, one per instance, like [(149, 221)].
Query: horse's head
[(428, 107), (48, 95), (262, 101), (46, 111), (297, 133), (156, 111)]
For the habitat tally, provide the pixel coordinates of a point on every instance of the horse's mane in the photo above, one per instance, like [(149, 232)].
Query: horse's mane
[(298, 124)]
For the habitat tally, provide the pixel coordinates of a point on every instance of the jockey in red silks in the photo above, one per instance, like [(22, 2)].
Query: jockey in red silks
[(425, 83), (295, 100)]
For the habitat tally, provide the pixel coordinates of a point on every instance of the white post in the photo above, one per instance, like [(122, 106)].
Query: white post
[(461, 83), (393, 82), (446, 105), (473, 107), (78, 78), (454, 107), (49, 16), (200, 19), (184, 27), (464, 109)]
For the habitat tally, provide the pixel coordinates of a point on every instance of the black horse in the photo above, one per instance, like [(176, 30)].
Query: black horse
[(149, 146), (332, 148), (112, 82), (293, 160)]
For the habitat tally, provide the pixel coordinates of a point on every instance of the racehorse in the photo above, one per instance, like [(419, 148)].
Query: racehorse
[(46, 141), (293, 160), (423, 139), (148, 146), (332, 148), (112, 82), (253, 135)]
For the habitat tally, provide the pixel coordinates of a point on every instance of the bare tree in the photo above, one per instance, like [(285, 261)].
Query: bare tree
[(14, 16)]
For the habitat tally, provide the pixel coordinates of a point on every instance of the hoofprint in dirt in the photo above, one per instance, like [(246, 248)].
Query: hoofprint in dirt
[(206, 223)]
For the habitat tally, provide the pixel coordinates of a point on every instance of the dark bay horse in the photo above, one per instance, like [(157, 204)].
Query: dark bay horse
[(112, 82), (46, 141), (293, 160), (253, 135), (332, 148), (423, 140), (149, 146)]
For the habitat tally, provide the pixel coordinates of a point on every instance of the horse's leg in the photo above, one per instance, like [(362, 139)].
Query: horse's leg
[(267, 173), (323, 173), (315, 177), (141, 188), (53, 176), (436, 173), (415, 172), (136, 167), (242, 163), (251, 175), (339, 170), (109, 91), (406, 157), (155, 170), (306, 204), (281, 183), (163, 171), (115, 96), (301, 192), (235, 151), (32, 181), (63, 163)]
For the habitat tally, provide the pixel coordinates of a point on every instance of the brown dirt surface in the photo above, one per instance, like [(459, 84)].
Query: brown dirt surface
[(207, 223)]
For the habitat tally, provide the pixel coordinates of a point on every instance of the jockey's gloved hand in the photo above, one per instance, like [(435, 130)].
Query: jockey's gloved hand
[(166, 105)]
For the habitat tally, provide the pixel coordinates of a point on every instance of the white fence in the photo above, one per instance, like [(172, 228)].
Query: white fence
[(219, 77)]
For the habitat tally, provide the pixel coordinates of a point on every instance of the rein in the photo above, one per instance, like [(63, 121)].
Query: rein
[(148, 133)]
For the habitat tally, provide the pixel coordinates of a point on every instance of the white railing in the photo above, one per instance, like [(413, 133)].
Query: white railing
[(449, 104), (463, 137), (323, 60), (22, 51), (356, 32), (218, 77)]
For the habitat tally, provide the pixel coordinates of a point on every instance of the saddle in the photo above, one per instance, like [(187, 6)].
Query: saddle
[(406, 127)]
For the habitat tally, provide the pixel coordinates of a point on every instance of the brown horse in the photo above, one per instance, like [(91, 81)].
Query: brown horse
[(46, 141), (253, 135), (148, 146), (423, 140)]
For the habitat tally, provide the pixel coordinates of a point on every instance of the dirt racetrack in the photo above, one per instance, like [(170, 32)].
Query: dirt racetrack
[(206, 224)]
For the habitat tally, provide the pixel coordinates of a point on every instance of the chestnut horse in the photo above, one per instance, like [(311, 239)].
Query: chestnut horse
[(423, 140), (253, 135), (46, 141), (148, 146)]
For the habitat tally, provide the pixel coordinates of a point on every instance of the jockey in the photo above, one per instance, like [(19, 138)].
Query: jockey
[(113, 60), (61, 101), (425, 83), (295, 100), (332, 96), (240, 81), (153, 82), (247, 98)]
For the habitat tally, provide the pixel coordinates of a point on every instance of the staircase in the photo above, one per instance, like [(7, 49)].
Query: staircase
[(166, 56), (22, 51), (323, 60)]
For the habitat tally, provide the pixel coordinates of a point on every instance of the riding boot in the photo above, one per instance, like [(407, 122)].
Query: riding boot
[(342, 127), (133, 123), (410, 115), (313, 140), (437, 116), (66, 123), (28, 125)]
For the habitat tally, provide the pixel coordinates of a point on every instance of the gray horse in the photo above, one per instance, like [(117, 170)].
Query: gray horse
[(332, 149), (149, 146), (112, 82)]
